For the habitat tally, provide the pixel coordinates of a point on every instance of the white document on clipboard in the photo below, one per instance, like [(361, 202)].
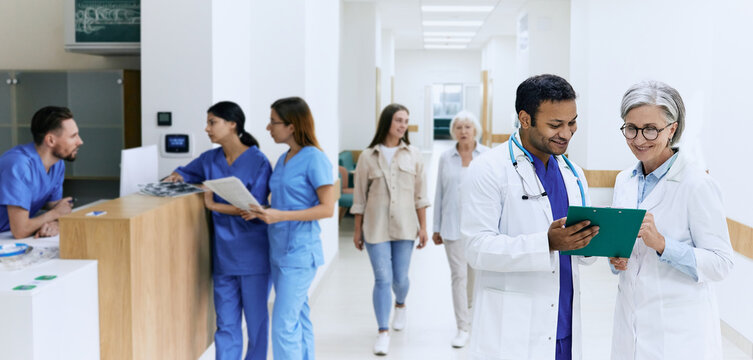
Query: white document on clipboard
[(233, 191)]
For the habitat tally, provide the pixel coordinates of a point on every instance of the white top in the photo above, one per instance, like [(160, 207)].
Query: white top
[(447, 198), (388, 152)]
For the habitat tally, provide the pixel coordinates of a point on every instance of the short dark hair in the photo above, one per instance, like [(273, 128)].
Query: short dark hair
[(385, 122), (48, 119), (537, 89)]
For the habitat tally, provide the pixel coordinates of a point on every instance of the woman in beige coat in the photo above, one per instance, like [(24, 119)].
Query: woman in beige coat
[(389, 204)]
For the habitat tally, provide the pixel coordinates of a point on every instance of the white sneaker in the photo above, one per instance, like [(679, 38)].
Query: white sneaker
[(398, 322), (382, 344), (460, 339)]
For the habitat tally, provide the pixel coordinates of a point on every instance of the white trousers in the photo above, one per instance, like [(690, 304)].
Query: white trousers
[(462, 282)]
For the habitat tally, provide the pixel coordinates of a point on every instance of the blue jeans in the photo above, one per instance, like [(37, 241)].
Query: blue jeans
[(390, 261), (292, 331)]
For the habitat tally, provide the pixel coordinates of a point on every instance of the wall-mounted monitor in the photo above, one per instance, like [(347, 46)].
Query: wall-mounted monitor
[(176, 145)]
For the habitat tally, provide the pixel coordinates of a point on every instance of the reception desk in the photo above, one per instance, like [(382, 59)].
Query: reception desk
[(155, 296)]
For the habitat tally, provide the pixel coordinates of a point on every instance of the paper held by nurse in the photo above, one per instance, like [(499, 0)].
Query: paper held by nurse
[(232, 190), (618, 229)]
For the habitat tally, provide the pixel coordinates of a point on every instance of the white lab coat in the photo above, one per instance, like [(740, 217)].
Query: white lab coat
[(517, 276), (661, 312)]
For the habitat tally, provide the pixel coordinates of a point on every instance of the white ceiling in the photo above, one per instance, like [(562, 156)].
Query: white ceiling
[(405, 18)]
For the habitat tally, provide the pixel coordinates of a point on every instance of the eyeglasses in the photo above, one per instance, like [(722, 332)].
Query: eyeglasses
[(276, 122), (649, 132)]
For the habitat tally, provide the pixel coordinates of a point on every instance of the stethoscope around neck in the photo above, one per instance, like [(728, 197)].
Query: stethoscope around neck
[(527, 196)]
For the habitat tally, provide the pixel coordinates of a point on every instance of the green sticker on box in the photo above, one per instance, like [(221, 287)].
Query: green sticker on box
[(24, 287), (45, 277)]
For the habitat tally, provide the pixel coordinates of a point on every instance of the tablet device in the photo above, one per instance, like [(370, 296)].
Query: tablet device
[(618, 229)]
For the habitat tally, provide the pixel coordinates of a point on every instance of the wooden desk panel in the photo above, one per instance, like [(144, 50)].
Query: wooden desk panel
[(154, 274)]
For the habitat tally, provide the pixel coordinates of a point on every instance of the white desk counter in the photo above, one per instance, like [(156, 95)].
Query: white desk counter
[(58, 318)]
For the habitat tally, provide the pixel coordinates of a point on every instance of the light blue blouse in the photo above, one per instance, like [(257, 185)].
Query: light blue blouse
[(293, 185), (676, 254)]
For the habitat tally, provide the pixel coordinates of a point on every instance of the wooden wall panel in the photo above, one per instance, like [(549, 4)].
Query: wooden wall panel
[(741, 236), (601, 178)]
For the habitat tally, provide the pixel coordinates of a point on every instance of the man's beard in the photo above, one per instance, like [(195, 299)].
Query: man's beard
[(70, 158)]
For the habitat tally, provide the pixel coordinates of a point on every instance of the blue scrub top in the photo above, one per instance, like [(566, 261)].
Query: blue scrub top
[(240, 247), (25, 183), (294, 185), (554, 185)]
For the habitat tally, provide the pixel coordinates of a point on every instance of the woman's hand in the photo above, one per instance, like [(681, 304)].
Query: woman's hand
[(619, 263), (208, 198), (269, 216), (358, 240), (174, 177), (650, 234), (247, 215), (423, 238), (436, 238)]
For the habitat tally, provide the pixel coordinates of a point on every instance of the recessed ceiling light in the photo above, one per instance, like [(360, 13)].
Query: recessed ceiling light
[(448, 40), (450, 33), (436, 46), (443, 8), (470, 23)]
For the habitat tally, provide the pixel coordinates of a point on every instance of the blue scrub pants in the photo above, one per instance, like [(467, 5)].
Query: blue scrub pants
[(390, 261), (292, 331), (233, 295)]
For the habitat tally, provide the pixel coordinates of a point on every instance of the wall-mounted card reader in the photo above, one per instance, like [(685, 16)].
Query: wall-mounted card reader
[(164, 118), (176, 145)]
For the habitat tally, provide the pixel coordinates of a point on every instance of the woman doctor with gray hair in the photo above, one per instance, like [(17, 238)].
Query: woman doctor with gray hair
[(453, 163), (666, 304)]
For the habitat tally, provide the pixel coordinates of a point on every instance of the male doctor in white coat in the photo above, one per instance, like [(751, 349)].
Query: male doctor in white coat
[(527, 297)]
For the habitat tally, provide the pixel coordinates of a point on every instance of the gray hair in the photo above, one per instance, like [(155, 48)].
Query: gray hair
[(465, 115), (659, 94)]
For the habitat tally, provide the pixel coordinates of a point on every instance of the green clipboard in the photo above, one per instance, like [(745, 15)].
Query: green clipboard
[(618, 229)]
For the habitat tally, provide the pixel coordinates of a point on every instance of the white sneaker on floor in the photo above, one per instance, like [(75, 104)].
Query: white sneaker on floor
[(398, 322), (460, 339), (382, 344)]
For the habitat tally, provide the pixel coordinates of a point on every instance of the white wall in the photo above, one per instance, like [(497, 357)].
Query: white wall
[(387, 64), (416, 69), (321, 88), (499, 59), (358, 62), (278, 57), (230, 58), (32, 39), (176, 72), (702, 50), (548, 33)]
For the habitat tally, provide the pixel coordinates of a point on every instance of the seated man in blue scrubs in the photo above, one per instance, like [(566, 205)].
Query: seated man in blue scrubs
[(31, 175)]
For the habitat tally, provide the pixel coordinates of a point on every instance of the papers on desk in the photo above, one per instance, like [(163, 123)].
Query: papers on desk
[(168, 189), (233, 191)]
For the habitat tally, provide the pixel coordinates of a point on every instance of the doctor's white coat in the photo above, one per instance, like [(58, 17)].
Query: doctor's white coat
[(661, 312), (517, 276)]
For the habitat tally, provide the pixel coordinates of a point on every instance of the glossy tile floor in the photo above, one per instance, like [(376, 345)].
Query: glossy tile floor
[(343, 316)]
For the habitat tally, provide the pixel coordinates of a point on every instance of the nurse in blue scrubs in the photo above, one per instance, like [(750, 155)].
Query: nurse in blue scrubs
[(240, 250), (31, 175), (302, 193)]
